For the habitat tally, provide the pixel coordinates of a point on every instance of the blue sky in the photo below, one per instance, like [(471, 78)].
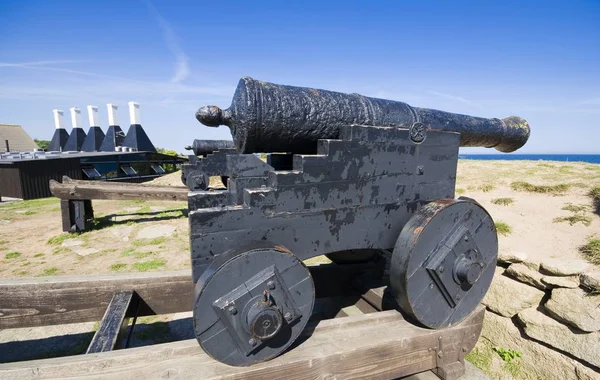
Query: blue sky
[(536, 59)]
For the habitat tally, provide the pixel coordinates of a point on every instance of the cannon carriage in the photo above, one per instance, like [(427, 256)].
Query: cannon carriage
[(359, 178)]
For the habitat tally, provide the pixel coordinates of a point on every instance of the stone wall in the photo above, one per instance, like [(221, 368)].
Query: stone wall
[(549, 311)]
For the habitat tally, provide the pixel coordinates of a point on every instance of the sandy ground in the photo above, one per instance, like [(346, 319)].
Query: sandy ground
[(32, 242)]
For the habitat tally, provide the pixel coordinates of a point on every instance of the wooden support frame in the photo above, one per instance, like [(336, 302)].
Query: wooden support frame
[(76, 215), (113, 330), (30, 302), (376, 345)]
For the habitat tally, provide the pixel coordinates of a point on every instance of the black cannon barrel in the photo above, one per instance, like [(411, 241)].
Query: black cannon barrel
[(204, 147), (266, 117)]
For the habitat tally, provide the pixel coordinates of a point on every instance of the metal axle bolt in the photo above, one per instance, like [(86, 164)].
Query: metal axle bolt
[(271, 285), (232, 310), (252, 342), (288, 316)]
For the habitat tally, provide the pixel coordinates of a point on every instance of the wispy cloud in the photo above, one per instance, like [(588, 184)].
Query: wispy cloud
[(453, 97), (39, 63), (182, 69), (591, 102)]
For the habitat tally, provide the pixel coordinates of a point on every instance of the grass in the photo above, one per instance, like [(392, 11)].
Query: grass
[(39, 255), (12, 255), (591, 251), (502, 228), (143, 242), (33, 203), (50, 271), (480, 358), (487, 187), (117, 267), (460, 191), (59, 239), (574, 219), (507, 355), (128, 251), (144, 266), (142, 255), (575, 208), (595, 194), (544, 189), (502, 201)]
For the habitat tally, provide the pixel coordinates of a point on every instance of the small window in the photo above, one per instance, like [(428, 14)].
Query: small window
[(128, 170), (158, 169), (91, 173)]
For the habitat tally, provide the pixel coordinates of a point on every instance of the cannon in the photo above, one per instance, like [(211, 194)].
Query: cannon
[(205, 147), (346, 176)]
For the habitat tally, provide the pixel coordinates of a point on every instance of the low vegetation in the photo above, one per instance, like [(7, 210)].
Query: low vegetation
[(50, 271), (575, 208), (503, 228), (591, 250), (507, 355), (12, 255), (574, 219), (460, 191), (557, 189), (117, 267), (144, 266), (595, 194), (503, 201), (487, 187), (59, 239)]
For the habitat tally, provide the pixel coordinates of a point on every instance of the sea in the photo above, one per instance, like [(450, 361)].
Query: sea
[(590, 158)]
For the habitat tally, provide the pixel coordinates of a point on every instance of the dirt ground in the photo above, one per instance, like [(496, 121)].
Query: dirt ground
[(145, 236)]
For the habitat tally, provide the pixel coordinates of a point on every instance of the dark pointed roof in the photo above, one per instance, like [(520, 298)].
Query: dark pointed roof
[(93, 140), (59, 139), (138, 139), (108, 144), (75, 140)]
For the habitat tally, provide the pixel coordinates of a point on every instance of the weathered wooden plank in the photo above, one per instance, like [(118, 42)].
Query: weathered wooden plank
[(109, 190), (67, 179), (28, 302), (376, 346), (113, 326)]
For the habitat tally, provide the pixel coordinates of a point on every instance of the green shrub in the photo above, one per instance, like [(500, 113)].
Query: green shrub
[(591, 251)]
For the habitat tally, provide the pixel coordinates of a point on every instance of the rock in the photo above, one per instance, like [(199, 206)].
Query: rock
[(561, 281), (543, 328), (538, 361), (72, 243), (511, 257), (158, 230), (85, 251), (584, 373), (122, 232), (575, 307), (507, 297), (527, 275), (590, 280), (532, 264), (564, 266)]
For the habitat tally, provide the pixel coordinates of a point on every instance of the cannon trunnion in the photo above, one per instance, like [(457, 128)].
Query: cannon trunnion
[(373, 189)]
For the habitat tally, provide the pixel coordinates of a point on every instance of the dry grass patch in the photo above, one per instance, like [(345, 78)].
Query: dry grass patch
[(591, 251), (503, 201), (503, 228), (574, 219), (544, 189)]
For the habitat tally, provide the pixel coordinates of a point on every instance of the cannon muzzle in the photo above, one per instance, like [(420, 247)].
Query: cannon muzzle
[(266, 117)]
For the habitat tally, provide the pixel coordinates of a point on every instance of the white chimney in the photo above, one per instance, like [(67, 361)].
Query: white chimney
[(58, 118), (112, 114), (134, 113), (93, 115), (76, 117)]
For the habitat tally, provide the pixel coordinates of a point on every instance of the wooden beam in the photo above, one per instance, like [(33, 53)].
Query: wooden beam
[(376, 346), (113, 326), (41, 301), (69, 180), (109, 190)]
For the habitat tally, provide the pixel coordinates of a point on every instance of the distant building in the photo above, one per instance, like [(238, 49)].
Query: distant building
[(14, 139)]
